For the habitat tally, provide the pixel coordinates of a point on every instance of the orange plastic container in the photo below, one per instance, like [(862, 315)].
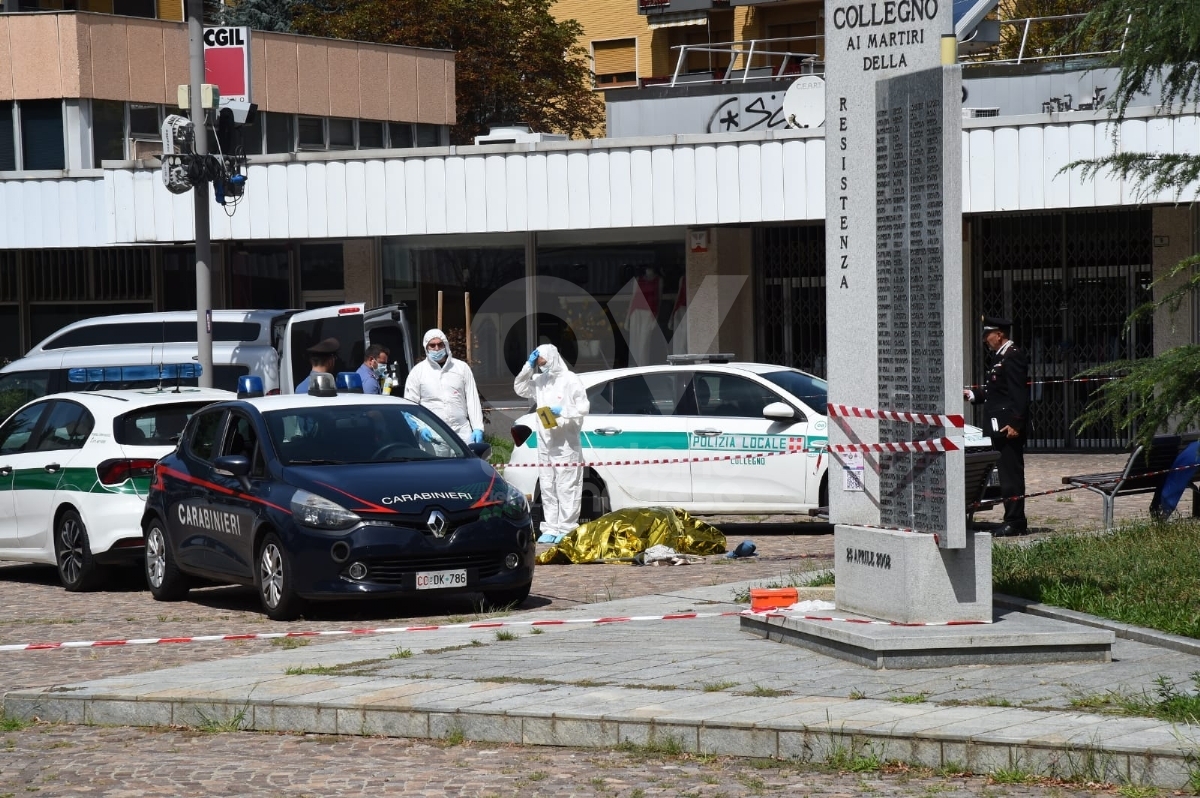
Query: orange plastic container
[(769, 598)]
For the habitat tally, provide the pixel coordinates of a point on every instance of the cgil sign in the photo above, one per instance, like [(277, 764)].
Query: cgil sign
[(227, 61)]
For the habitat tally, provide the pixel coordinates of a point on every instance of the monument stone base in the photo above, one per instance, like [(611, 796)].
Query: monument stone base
[(905, 577), (1015, 638)]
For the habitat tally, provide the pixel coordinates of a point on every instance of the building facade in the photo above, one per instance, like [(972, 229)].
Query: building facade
[(726, 223)]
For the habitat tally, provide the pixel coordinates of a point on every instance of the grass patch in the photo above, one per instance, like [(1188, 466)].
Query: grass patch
[(911, 698), (401, 653), (502, 449), (1166, 702), (766, 692), (213, 725), (504, 634), (1143, 573), (288, 643), (665, 745), (9, 723), (794, 579), (716, 687)]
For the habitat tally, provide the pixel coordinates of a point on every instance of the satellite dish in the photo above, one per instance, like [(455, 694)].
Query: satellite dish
[(804, 103)]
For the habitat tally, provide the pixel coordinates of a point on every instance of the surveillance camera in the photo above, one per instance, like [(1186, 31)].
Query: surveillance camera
[(244, 113)]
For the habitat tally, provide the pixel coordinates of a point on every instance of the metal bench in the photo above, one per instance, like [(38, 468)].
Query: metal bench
[(1144, 472)]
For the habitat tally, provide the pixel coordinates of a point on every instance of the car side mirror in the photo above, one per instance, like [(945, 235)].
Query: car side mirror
[(779, 411), (234, 465), (481, 450)]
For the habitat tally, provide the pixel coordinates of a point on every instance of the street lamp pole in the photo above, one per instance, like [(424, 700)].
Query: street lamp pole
[(195, 18)]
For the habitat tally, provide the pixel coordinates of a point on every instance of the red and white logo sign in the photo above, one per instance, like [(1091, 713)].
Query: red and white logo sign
[(227, 61)]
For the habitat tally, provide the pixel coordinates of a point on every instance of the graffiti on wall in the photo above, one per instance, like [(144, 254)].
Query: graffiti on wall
[(747, 112)]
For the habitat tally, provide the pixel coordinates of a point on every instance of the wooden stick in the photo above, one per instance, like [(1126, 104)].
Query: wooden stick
[(467, 316), (439, 324)]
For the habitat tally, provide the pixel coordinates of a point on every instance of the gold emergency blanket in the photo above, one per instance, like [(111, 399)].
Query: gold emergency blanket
[(623, 534)]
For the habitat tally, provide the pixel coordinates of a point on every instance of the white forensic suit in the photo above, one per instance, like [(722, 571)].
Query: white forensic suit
[(446, 389), (560, 456)]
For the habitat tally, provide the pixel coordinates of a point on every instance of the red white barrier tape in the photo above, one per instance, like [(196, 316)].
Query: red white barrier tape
[(677, 616), (843, 411), (799, 449), (932, 445)]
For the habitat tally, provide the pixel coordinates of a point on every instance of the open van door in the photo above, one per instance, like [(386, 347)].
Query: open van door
[(343, 322), (389, 326)]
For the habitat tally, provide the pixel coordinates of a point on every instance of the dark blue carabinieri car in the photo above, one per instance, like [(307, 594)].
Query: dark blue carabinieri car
[(331, 496)]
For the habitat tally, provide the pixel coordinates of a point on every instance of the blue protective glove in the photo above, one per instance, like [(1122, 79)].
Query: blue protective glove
[(533, 356), (476, 436), (426, 435), (556, 410)]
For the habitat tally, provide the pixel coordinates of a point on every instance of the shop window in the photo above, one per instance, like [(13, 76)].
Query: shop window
[(280, 135), (250, 136), (311, 132), (8, 152), (428, 135), (134, 8), (108, 131), (400, 134), (260, 277), (341, 134), (321, 267), (370, 135), (10, 333), (615, 62), (144, 121), (42, 134), (179, 279)]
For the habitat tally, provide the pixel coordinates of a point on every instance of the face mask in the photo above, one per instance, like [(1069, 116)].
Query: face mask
[(381, 371), (542, 369), (436, 355)]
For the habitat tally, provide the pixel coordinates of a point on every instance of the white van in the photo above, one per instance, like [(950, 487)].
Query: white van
[(93, 353)]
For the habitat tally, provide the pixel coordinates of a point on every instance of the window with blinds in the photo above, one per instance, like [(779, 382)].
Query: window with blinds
[(42, 134), (615, 62), (8, 151)]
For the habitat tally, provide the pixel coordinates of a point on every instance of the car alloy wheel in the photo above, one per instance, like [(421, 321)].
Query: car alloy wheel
[(73, 554), (156, 557), (165, 581), (274, 581), (271, 572)]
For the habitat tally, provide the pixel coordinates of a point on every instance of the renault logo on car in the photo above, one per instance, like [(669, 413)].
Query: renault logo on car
[(437, 524)]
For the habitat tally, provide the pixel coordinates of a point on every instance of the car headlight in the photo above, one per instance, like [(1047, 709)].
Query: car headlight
[(515, 506), (319, 513)]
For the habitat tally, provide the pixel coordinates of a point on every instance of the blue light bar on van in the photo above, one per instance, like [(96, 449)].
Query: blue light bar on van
[(166, 371)]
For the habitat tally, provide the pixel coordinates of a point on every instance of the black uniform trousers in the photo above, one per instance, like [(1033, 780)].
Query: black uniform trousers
[(1012, 477)]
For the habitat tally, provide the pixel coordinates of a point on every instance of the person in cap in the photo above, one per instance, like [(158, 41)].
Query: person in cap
[(445, 385), (373, 368), (546, 380), (321, 356), (1005, 400)]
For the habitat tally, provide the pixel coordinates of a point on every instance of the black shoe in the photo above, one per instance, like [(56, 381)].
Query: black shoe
[(1009, 530)]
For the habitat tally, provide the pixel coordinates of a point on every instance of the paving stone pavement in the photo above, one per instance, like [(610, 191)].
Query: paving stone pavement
[(175, 760)]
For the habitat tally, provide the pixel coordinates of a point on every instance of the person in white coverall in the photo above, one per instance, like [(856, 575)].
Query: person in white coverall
[(546, 380), (446, 386)]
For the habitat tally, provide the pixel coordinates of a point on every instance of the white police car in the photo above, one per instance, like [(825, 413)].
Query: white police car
[(763, 425), (75, 469), (330, 495)]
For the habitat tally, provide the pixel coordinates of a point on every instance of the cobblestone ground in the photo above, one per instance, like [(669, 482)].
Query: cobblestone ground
[(66, 760)]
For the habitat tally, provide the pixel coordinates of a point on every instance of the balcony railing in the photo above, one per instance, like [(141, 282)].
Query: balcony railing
[(772, 62), (1049, 51)]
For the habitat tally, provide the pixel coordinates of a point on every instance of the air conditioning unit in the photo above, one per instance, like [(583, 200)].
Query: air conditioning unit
[(980, 113), (517, 134)]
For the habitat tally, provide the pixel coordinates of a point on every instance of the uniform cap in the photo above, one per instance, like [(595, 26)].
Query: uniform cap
[(329, 346), (991, 323)]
